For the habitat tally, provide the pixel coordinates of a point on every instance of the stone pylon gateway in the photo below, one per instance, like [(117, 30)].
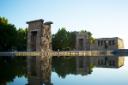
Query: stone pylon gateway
[(39, 40), (39, 35)]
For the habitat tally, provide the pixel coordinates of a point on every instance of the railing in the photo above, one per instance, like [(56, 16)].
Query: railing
[(20, 53), (59, 53), (82, 53), (118, 52)]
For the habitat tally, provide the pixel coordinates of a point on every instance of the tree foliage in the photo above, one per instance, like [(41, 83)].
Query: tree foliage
[(10, 37), (7, 35), (61, 40), (3, 20), (21, 39), (64, 40)]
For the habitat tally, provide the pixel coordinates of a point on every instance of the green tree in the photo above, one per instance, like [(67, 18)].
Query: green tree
[(8, 35), (72, 40), (61, 40), (91, 39), (21, 39), (3, 20)]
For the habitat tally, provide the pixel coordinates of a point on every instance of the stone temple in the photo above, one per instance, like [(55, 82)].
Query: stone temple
[(39, 40), (82, 43)]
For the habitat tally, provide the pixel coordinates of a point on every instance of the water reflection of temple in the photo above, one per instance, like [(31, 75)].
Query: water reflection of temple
[(84, 64), (110, 62), (38, 72)]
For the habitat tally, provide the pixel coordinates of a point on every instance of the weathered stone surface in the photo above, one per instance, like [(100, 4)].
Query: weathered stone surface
[(82, 42), (39, 39), (108, 44)]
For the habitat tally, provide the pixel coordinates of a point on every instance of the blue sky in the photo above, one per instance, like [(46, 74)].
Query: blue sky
[(104, 18)]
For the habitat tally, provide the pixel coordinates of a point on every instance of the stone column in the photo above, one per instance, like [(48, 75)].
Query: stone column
[(39, 67), (45, 52), (46, 39)]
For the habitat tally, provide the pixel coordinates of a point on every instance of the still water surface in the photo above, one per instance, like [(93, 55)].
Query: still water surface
[(66, 71)]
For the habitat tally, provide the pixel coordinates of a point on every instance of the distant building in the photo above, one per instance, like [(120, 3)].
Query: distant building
[(82, 43), (108, 44)]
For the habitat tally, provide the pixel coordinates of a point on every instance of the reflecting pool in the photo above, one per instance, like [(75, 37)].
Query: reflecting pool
[(105, 70)]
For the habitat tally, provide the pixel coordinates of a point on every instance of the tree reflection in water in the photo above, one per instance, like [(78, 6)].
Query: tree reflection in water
[(64, 66), (10, 67), (73, 65)]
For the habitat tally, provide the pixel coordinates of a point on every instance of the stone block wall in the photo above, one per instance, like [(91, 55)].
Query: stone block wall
[(39, 39)]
